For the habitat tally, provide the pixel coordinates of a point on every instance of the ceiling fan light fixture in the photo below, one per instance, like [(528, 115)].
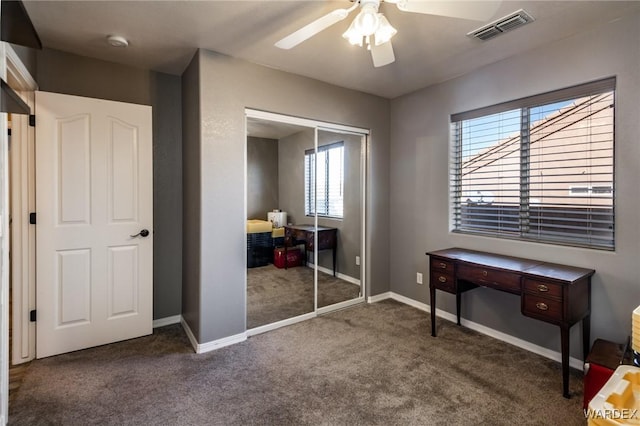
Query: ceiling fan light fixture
[(385, 31), (368, 19), (353, 35)]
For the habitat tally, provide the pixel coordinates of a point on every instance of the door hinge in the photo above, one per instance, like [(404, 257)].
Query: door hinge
[(32, 120), (32, 218), (32, 316)]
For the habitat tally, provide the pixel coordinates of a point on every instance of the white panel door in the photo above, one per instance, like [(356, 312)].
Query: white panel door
[(93, 201)]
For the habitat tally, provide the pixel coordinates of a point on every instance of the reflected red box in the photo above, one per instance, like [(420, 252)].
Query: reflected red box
[(294, 257)]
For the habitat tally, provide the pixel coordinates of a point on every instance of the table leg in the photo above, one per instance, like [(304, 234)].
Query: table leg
[(586, 335), (334, 261), (432, 293), (564, 337), (458, 298)]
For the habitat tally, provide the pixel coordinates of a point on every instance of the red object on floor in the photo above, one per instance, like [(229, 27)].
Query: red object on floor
[(594, 380), (294, 257), (601, 363)]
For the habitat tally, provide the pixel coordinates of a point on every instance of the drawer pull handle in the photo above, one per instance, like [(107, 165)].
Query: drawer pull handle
[(485, 273), (443, 265), (442, 279), (542, 306), (543, 288)]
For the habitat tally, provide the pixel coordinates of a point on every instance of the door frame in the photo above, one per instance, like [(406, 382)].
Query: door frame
[(22, 182), (10, 64), (318, 125)]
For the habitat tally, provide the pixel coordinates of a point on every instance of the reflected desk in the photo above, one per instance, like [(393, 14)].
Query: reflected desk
[(304, 234), (549, 292)]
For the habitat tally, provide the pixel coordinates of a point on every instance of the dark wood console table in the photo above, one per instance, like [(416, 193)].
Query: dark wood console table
[(304, 234), (549, 292)]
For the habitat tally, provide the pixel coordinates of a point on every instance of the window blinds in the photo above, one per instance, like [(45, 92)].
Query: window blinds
[(324, 187), (540, 171)]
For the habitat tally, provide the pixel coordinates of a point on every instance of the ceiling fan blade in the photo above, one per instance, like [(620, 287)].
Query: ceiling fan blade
[(382, 54), (473, 10), (313, 28)]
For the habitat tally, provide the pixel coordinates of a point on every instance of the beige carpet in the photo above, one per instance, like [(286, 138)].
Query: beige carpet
[(367, 365), (275, 294)]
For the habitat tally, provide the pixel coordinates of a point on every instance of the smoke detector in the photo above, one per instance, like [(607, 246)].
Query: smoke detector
[(117, 41), (502, 25)]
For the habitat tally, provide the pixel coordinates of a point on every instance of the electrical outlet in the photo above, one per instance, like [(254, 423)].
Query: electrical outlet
[(419, 278), (358, 260)]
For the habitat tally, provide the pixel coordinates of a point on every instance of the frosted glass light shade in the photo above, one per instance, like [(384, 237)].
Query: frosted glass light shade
[(385, 31), (353, 35), (367, 20)]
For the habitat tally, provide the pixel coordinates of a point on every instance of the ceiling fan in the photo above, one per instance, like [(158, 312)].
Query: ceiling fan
[(372, 29)]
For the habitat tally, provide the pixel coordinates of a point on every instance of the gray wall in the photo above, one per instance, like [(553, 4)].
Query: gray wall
[(227, 86), (291, 181), (292, 149), (166, 94), (71, 74), (262, 177), (191, 181), (419, 182), (28, 56), (64, 72)]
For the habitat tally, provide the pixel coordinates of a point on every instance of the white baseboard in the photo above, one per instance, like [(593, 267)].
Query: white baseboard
[(201, 348), (161, 322), (340, 305), (343, 277), (275, 325), (379, 297), (531, 347)]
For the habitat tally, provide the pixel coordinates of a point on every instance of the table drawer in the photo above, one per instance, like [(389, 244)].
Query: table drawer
[(541, 307), (542, 288), (443, 281), (442, 266), (488, 277)]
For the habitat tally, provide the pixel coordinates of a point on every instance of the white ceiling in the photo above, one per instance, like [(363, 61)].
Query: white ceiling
[(164, 35)]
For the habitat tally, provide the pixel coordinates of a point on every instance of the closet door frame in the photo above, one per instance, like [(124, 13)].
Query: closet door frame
[(318, 125)]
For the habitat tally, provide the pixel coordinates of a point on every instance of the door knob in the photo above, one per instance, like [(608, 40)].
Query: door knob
[(143, 233)]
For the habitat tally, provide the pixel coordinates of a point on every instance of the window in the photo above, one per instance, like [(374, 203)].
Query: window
[(540, 168), (330, 185)]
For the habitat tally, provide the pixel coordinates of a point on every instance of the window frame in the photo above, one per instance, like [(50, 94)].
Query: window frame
[(525, 105), (311, 206)]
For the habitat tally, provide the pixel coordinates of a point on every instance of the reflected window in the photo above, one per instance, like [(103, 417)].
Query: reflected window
[(330, 185)]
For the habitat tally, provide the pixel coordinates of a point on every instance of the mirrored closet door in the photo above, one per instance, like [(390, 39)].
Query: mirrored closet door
[(338, 194), (305, 228)]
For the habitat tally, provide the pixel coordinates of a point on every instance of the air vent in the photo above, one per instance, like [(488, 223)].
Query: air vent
[(504, 24)]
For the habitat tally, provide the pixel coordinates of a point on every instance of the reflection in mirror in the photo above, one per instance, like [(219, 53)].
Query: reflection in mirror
[(289, 183), (279, 286), (338, 193)]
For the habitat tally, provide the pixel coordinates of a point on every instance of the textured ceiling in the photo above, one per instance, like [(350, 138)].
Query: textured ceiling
[(164, 35)]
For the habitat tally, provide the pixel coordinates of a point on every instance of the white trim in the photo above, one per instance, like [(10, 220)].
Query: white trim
[(275, 325), (189, 333), (379, 297), (341, 305), (4, 253), (22, 160), (221, 343), (342, 276), (161, 322), (201, 348), (18, 70), (515, 341), (306, 122)]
